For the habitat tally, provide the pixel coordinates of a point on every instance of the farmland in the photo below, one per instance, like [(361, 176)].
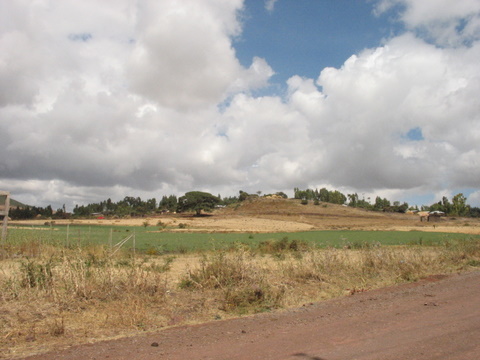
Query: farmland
[(158, 242)]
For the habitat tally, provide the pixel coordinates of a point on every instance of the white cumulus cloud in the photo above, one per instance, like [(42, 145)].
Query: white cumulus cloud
[(446, 22)]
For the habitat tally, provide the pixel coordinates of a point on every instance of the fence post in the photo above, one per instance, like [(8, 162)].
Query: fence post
[(5, 213), (68, 233), (134, 246)]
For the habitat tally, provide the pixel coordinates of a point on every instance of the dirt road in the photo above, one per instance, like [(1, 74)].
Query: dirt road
[(436, 318)]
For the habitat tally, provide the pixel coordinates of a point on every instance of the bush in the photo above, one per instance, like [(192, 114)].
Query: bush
[(281, 245)]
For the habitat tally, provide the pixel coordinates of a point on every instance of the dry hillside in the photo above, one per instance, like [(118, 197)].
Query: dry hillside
[(331, 216)]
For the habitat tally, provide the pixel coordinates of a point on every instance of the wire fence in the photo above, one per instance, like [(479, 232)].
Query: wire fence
[(71, 236)]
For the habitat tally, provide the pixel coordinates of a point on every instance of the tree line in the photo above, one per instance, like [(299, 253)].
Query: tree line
[(456, 207), (197, 201)]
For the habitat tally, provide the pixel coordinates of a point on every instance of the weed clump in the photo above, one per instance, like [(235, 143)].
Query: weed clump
[(241, 285), (282, 245), (36, 274)]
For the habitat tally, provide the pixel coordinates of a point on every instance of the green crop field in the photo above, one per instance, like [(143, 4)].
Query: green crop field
[(152, 240)]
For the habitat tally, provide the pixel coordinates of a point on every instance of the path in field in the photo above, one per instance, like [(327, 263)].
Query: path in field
[(437, 318)]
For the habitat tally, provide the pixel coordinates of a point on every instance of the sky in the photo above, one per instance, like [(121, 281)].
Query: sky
[(149, 98)]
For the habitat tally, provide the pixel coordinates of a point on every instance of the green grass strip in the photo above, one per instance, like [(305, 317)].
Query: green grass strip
[(150, 240)]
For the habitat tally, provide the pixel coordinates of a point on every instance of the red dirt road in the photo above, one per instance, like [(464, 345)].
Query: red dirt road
[(436, 318)]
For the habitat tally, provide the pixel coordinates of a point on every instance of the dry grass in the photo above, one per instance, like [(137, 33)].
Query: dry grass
[(56, 297)]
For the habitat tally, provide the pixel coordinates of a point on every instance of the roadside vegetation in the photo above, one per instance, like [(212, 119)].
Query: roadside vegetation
[(54, 295)]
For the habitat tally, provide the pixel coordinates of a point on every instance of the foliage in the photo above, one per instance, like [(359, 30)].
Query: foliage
[(230, 200), (30, 212), (169, 203), (135, 206), (197, 201), (475, 212), (131, 206), (246, 196), (457, 207), (324, 195), (381, 204)]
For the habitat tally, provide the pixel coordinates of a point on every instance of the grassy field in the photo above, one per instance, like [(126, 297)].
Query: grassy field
[(154, 241)]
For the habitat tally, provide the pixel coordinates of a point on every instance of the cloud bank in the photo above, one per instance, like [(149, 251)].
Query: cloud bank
[(148, 98)]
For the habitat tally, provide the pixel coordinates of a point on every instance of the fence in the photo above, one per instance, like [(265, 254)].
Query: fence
[(71, 236)]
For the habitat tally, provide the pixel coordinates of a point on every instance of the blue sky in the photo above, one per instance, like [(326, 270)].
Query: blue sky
[(149, 98), (303, 37)]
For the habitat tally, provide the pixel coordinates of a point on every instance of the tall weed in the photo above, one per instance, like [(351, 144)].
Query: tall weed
[(243, 283)]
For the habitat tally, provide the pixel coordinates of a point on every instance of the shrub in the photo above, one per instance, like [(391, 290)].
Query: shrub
[(283, 244)]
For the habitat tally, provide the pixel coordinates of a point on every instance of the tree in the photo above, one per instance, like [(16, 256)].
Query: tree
[(447, 207), (324, 195), (168, 203), (459, 205), (282, 194), (474, 212), (197, 201), (381, 204), (353, 200), (336, 197)]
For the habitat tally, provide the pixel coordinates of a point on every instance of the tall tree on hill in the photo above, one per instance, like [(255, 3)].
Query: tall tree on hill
[(197, 201), (324, 195)]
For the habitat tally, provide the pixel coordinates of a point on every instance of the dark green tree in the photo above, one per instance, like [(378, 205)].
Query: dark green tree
[(243, 195), (197, 201), (324, 195), (336, 197), (381, 204), (282, 194)]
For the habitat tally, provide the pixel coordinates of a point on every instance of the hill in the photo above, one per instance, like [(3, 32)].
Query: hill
[(13, 202), (322, 216)]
